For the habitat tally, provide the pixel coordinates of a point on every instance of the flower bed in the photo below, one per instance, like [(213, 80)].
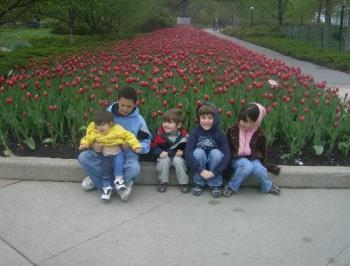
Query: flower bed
[(51, 102)]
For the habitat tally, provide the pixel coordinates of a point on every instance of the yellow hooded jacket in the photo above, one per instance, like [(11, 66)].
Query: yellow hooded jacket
[(115, 136)]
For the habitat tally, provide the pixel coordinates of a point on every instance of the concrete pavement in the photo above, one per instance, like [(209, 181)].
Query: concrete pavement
[(56, 223)]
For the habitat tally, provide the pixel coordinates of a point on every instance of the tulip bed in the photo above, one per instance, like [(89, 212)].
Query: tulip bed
[(52, 101)]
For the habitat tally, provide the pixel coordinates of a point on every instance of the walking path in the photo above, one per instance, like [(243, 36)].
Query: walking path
[(334, 78)]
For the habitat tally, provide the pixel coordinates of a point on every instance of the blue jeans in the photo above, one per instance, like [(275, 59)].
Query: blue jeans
[(243, 168), (92, 164), (208, 162), (111, 166)]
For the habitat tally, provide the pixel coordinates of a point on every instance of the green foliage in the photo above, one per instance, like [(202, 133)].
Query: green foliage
[(47, 45), (270, 37)]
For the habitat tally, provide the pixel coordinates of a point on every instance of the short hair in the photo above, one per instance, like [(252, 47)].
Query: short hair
[(128, 93), (250, 111), (206, 110), (103, 117), (175, 114)]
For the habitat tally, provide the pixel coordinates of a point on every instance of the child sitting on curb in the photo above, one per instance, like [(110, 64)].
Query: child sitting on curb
[(110, 136), (207, 151), (168, 146), (248, 148)]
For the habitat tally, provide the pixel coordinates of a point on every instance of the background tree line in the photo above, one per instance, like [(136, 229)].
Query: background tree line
[(109, 16)]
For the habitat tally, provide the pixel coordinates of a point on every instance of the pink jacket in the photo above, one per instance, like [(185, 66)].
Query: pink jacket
[(245, 136)]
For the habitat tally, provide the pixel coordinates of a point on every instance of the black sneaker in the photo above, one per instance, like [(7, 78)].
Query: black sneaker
[(197, 190), (185, 188), (228, 191), (216, 192), (275, 190), (162, 187)]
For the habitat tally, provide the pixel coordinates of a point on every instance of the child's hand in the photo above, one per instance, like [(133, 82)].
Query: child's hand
[(163, 154), (179, 153), (207, 174), (82, 147), (137, 150)]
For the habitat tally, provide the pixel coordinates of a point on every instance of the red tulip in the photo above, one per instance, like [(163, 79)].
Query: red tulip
[(9, 100)]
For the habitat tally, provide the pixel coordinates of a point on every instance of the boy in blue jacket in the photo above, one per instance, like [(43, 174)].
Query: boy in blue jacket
[(125, 113), (207, 151)]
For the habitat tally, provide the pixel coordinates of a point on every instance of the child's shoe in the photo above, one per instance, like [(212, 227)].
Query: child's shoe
[(119, 184), (162, 187), (275, 190), (106, 193), (197, 190), (185, 188), (87, 184), (228, 191), (216, 192)]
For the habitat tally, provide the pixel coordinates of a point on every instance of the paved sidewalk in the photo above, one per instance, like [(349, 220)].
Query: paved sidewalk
[(56, 223), (334, 78)]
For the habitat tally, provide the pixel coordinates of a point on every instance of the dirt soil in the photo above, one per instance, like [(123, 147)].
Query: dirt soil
[(67, 151)]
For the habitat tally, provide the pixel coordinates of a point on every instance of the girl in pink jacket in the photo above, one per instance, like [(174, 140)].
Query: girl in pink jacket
[(248, 147)]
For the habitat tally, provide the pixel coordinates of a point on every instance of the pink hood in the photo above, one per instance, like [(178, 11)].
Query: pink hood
[(245, 136)]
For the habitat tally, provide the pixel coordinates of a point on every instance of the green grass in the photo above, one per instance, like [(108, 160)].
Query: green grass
[(271, 38), (27, 44)]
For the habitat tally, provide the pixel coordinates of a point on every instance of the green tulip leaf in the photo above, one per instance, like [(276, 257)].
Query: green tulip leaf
[(30, 143), (318, 149)]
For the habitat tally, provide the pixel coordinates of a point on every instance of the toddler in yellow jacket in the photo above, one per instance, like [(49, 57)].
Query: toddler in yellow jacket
[(110, 136)]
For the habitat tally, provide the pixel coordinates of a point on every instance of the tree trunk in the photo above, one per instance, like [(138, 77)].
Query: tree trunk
[(71, 20), (319, 10), (347, 36), (280, 12), (328, 22)]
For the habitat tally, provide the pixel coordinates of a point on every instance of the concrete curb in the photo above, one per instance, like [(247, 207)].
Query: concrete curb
[(49, 169)]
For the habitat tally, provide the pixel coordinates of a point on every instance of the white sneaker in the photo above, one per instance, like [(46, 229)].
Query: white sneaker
[(124, 194), (106, 193), (87, 184), (119, 184)]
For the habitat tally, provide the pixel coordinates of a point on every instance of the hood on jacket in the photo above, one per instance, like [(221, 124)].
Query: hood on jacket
[(114, 109), (262, 114), (216, 122)]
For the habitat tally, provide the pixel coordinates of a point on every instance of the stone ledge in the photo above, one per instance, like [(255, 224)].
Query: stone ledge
[(49, 169)]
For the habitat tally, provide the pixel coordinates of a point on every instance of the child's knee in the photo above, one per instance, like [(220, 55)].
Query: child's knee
[(199, 153)]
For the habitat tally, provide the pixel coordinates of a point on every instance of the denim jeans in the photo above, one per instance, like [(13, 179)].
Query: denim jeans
[(111, 166), (243, 168), (208, 162), (92, 164)]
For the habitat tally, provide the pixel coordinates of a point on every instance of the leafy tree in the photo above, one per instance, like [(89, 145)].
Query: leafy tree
[(11, 10)]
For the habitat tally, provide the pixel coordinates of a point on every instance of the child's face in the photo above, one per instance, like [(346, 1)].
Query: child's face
[(125, 106), (170, 126), (103, 128), (246, 125), (206, 121)]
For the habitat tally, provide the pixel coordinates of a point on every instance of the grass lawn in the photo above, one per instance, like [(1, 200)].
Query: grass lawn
[(28, 43)]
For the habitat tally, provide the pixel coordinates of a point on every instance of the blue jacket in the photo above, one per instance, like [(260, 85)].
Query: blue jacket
[(207, 140), (135, 123)]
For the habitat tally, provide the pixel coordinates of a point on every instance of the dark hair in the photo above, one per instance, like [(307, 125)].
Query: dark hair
[(175, 114), (127, 93), (206, 110), (250, 111), (103, 117)]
